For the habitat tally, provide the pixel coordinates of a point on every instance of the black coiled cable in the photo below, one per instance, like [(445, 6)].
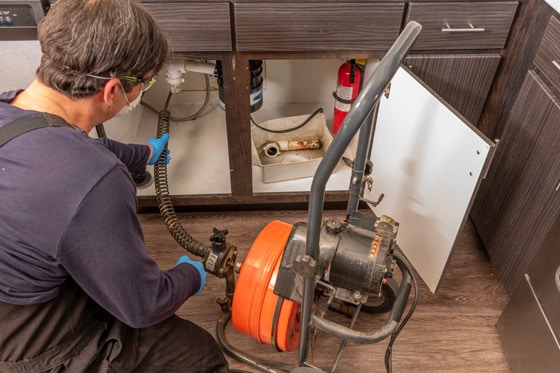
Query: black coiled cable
[(164, 200)]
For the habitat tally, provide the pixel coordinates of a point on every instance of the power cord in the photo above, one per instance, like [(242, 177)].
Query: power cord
[(389, 352), (318, 111)]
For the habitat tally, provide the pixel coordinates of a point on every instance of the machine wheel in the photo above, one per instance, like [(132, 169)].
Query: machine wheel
[(374, 306), (385, 302)]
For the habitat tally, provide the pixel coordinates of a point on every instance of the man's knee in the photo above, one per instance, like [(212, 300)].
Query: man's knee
[(178, 345)]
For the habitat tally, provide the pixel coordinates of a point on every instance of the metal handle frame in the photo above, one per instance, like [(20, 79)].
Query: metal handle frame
[(355, 118)]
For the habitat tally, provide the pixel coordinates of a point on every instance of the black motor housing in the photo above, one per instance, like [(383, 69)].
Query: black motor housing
[(354, 257)]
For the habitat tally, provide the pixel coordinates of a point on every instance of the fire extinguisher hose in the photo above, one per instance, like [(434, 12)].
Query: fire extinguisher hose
[(343, 100)]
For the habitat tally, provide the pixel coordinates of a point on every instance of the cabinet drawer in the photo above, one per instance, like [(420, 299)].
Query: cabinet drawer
[(194, 27), (547, 59), (316, 26), (462, 25)]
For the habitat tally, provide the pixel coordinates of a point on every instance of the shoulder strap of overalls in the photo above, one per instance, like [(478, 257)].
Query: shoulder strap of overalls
[(29, 123)]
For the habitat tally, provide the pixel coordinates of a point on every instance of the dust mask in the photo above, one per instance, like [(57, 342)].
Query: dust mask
[(129, 107)]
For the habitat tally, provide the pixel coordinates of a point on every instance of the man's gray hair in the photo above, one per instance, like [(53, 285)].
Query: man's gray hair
[(108, 38)]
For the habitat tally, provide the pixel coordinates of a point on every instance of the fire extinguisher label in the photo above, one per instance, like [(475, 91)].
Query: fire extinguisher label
[(344, 93)]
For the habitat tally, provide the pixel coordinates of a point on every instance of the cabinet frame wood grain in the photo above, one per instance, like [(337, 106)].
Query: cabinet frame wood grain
[(194, 27), (296, 26)]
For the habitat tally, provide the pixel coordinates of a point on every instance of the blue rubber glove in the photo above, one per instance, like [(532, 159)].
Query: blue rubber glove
[(157, 148), (199, 266)]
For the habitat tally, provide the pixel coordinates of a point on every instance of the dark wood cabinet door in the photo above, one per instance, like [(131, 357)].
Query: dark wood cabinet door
[(463, 80), (547, 59), (520, 198)]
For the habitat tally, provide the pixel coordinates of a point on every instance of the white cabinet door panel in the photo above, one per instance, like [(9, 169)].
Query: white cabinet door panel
[(428, 163)]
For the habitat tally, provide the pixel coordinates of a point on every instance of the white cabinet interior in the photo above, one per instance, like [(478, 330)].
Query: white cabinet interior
[(199, 150)]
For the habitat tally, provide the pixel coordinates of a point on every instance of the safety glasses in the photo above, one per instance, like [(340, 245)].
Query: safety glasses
[(146, 83)]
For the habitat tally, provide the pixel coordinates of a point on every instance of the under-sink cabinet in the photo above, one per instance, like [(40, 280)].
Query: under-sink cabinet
[(458, 65)]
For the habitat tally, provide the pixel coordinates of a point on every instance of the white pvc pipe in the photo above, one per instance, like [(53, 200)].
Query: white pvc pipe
[(176, 68)]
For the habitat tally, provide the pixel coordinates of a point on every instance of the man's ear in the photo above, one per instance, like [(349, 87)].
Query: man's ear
[(110, 90)]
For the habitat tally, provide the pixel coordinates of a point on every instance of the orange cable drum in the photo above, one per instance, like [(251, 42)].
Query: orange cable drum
[(285, 329), (254, 301)]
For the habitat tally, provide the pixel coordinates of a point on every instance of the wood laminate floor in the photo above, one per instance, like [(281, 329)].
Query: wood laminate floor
[(451, 331)]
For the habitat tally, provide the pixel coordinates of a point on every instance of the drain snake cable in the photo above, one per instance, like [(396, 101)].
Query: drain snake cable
[(163, 198)]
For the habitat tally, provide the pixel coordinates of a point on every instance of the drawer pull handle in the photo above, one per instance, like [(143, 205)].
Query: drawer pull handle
[(471, 28), (556, 64)]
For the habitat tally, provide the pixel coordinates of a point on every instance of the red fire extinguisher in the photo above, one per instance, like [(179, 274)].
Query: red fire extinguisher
[(347, 89)]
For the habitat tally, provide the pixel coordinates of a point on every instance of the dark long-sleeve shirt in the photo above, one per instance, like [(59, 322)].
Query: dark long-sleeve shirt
[(68, 209)]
